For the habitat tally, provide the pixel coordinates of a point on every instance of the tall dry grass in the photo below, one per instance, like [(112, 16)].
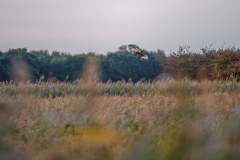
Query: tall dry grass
[(92, 120)]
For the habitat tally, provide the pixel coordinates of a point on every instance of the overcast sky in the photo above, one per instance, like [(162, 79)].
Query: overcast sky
[(101, 26)]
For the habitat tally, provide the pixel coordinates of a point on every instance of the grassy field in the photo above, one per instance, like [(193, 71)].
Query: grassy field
[(120, 121)]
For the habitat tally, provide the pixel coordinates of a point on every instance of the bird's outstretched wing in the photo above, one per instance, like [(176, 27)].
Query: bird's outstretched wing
[(133, 46), (138, 51)]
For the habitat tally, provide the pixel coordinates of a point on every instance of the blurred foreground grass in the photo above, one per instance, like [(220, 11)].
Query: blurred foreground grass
[(120, 121)]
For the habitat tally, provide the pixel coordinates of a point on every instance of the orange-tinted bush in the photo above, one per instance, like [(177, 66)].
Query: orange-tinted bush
[(186, 63), (210, 64), (226, 64)]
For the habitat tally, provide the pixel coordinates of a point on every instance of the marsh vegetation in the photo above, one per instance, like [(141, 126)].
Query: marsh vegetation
[(169, 119)]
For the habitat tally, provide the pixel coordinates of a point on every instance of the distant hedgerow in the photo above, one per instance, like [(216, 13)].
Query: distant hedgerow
[(208, 64)]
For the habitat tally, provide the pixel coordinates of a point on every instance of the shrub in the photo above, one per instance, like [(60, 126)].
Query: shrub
[(186, 63)]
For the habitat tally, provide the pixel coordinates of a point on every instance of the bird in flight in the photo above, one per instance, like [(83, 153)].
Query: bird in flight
[(138, 51)]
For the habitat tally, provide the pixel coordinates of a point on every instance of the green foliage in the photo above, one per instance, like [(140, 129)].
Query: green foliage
[(65, 67), (23, 65), (19, 59), (124, 65)]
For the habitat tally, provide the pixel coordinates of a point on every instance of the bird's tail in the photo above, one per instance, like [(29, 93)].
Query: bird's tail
[(144, 56)]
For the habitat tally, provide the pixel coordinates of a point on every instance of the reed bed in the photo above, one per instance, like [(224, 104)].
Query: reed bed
[(120, 121)]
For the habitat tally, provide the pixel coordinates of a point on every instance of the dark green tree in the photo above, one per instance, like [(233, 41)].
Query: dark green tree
[(124, 65)]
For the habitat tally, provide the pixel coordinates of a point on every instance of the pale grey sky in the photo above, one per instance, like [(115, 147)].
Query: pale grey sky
[(101, 26)]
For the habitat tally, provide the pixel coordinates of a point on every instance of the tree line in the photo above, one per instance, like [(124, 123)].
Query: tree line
[(209, 63), (23, 65)]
